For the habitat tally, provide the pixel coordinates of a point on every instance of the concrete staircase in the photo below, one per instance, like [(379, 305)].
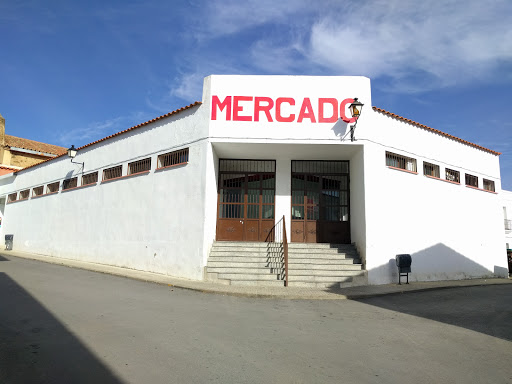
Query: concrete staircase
[(309, 265)]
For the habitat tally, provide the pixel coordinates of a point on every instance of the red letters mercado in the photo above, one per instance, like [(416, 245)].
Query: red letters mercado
[(249, 108)]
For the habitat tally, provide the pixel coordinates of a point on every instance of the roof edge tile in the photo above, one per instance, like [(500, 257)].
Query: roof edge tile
[(395, 116), (119, 133)]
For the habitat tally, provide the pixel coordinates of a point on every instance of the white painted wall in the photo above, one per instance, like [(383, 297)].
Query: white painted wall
[(451, 231), (506, 200), (152, 222)]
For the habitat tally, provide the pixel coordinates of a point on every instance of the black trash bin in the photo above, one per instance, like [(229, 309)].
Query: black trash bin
[(403, 262), (509, 259), (8, 242)]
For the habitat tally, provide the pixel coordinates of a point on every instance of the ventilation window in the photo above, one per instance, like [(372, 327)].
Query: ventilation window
[(471, 180), (12, 197), (90, 178), (430, 169), (38, 191), (112, 173), (401, 162), (139, 166), (52, 188), (69, 183), (489, 185), (173, 158), (24, 194), (452, 175)]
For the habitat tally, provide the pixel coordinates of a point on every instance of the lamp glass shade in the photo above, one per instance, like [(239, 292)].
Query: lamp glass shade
[(356, 108), (72, 151)]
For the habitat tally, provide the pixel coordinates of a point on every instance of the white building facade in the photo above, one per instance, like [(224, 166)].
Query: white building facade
[(259, 148)]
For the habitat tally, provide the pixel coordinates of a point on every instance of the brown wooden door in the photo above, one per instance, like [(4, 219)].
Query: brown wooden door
[(246, 200), (320, 202)]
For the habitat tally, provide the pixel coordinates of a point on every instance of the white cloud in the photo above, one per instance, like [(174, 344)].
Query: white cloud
[(91, 132), (445, 42)]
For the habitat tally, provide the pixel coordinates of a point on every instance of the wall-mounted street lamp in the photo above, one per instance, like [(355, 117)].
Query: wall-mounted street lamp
[(72, 153), (355, 109)]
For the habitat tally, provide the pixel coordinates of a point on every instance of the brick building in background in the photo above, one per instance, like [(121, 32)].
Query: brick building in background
[(17, 153)]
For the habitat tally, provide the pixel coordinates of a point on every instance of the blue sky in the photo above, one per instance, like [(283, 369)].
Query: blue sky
[(72, 72)]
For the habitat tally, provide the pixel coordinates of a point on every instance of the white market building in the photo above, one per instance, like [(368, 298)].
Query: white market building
[(259, 148)]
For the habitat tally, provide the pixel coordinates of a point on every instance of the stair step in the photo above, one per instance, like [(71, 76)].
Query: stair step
[(219, 252), (237, 259), (253, 283), (318, 261), (240, 270), (248, 276), (236, 264), (318, 251), (320, 245), (309, 284), (321, 279), (323, 267), (240, 244), (299, 274)]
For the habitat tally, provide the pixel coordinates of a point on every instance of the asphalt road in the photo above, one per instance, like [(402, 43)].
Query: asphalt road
[(64, 325)]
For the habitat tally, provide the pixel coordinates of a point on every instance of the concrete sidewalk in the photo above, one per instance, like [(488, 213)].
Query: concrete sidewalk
[(258, 291)]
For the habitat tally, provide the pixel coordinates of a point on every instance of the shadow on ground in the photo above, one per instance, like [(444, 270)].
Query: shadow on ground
[(484, 309), (36, 348)]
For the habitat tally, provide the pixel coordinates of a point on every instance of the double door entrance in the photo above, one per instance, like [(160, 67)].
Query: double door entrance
[(319, 201), (246, 198)]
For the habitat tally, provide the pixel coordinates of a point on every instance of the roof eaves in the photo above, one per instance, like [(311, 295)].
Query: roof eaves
[(395, 116), (118, 133)]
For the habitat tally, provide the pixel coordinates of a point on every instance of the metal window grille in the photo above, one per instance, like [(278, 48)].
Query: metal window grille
[(90, 178), (430, 169), (399, 161), (173, 158), (38, 191), (139, 166), (471, 180), (12, 197), (53, 187), (489, 185), (452, 175), (69, 183), (24, 194), (508, 225), (112, 173)]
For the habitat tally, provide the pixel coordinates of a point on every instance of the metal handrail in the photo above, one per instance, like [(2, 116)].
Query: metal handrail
[(277, 250)]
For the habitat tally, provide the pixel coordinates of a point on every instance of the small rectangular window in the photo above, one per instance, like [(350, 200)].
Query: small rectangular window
[(90, 178), (489, 185), (139, 166), (471, 180), (24, 194), (173, 158), (399, 161), (70, 183), (53, 187), (112, 173), (12, 197), (452, 175), (430, 169), (38, 191)]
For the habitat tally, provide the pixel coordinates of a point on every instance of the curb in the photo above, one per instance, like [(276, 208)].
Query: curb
[(322, 295)]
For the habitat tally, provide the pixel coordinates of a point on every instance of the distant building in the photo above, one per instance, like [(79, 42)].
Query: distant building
[(17, 153)]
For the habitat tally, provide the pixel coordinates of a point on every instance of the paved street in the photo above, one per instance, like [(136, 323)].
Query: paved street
[(65, 325)]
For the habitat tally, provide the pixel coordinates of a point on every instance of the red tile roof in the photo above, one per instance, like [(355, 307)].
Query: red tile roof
[(18, 142), (119, 133), (384, 112)]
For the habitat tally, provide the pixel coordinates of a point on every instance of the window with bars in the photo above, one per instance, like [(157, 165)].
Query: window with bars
[(139, 166), (430, 169), (489, 185), (471, 180), (402, 162), (452, 175), (12, 197), (70, 183), (112, 173), (24, 194), (38, 191), (173, 158), (53, 187), (90, 178)]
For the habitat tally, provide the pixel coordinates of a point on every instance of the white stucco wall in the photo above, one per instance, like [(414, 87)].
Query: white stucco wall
[(506, 201), (152, 222), (451, 231)]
